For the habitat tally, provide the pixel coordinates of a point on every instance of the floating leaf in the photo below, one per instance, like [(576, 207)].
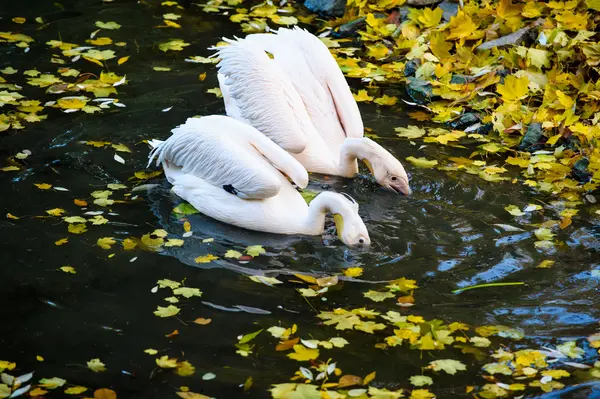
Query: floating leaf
[(168, 311), (255, 250), (302, 353), (205, 258), (378, 296), (173, 45), (422, 162), (96, 365), (450, 366), (105, 242), (108, 25)]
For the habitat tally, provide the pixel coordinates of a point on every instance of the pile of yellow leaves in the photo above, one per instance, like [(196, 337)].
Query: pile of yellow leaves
[(493, 97)]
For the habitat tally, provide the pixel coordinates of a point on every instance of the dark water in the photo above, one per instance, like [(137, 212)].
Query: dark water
[(443, 236)]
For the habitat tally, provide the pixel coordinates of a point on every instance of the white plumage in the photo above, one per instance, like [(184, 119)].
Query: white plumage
[(231, 172), (325, 133)]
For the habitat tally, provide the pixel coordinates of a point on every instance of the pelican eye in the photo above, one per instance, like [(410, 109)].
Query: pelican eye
[(361, 240), (394, 178)]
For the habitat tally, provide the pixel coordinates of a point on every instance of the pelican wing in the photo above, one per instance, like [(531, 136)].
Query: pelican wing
[(325, 69), (231, 155), (262, 95)]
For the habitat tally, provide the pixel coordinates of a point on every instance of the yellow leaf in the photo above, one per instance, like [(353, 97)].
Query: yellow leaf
[(386, 100), (173, 45), (151, 351), (68, 269), (202, 76), (421, 394), (544, 234), (185, 369), (11, 216), (96, 365), (205, 259), (105, 393), (422, 162), (142, 175), (37, 392), (72, 102), (284, 20), (19, 20), (9, 168), (39, 358), (265, 280), (202, 321), (42, 186), (101, 41), (174, 242), (216, 91), (74, 219), (166, 362), (513, 89), (171, 24), (410, 132), (538, 58), (461, 26), (302, 353), (76, 390), (122, 60), (450, 366), (362, 95), (556, 373), (105, 242), (191, 395), (187, 292), (232, 254), (514, 210), (61, 241), (445, 138), (378, 296), (593, 4), (430, 18), (77, 228), (377, 51), (370, 377), (255, 250), (171, 16), (552, 140), (545, 264), (95, 61), (168, 311), (353, 271), (128, 244), (108, 25), (55, 212)]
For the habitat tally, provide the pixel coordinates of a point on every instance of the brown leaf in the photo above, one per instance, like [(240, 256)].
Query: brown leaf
[(285, 345), (173, 334), (202, 321), (327, 281), (349, 380), (565, 222), (407, 300), (79, 202), (105, 393)]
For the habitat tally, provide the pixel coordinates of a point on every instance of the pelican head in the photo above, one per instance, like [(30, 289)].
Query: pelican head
[(350, 227), (386, 169)]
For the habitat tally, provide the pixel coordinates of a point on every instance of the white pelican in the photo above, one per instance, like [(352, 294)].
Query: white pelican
[(289, 87), (231, 172)]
